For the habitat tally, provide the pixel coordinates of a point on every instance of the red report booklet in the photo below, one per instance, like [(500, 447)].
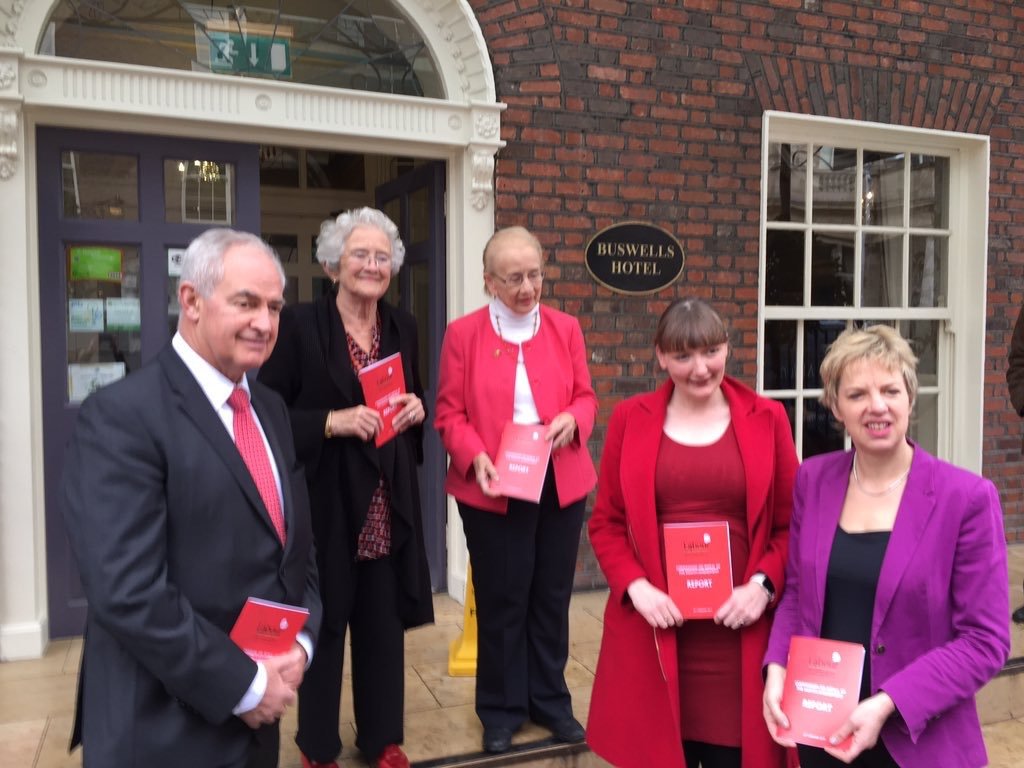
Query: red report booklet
[(822, 688), (522, 461), (381, 381), (698, 564), (265, 628)]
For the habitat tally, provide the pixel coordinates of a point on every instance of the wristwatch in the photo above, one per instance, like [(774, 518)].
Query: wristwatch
[(766, 584)]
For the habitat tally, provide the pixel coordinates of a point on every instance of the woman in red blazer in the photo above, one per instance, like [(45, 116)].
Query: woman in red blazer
[(518, 361), (702, 448)]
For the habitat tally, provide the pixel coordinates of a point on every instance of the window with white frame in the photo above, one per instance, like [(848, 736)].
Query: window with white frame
[(863, 224)]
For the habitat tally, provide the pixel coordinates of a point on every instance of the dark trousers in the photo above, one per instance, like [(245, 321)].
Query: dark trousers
[(876, 757), (699, 754), (378, 674), (523, 565), (266, 747)]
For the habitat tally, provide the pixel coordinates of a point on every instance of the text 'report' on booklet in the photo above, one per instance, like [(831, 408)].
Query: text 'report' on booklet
[(381, 381), (522, 461), (822, 689), (698, 564), (265, 628)]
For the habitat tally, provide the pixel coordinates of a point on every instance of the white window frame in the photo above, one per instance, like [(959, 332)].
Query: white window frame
[(962, 336)]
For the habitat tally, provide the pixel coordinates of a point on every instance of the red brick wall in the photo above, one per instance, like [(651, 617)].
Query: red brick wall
[(652, 111)]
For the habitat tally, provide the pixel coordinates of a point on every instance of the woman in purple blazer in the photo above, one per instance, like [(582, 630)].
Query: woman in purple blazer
[(903, 553)]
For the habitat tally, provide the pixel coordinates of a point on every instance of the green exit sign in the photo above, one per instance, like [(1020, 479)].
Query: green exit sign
[(262, 54)]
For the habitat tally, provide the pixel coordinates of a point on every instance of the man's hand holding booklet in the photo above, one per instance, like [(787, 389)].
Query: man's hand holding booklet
[(265, 628)]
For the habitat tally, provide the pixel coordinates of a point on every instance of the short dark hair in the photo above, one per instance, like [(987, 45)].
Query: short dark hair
[(689, 324)]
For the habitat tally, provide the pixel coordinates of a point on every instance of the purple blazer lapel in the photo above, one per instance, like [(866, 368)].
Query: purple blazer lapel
[(824, 505), (915, 511)]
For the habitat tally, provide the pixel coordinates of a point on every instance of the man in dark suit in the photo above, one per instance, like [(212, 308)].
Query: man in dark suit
[(1015, 383), (173, 532)]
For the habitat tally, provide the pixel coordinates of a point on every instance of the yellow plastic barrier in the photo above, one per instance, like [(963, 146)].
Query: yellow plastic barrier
[(462, 651)]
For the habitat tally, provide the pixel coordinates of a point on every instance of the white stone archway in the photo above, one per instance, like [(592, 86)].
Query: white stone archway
[(463, 129)]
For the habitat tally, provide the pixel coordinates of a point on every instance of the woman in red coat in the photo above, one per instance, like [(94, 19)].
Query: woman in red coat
[(702, 448)]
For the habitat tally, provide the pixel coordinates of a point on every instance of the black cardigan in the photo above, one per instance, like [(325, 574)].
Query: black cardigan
[(311, 369)]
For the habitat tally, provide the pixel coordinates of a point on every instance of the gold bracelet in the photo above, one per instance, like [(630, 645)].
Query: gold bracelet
[(327, 426)]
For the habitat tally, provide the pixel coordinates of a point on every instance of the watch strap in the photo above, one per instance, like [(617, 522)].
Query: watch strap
[(766, 584)]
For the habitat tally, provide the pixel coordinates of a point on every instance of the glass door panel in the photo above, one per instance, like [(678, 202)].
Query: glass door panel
[(108, 243), (199, 192), (419, 295), (99, 185), (104, 319)]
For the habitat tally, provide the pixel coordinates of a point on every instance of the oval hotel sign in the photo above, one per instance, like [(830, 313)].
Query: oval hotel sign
[(634, 258)]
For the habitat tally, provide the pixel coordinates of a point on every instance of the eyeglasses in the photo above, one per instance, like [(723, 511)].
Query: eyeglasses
[(517, 280), (381, 259)]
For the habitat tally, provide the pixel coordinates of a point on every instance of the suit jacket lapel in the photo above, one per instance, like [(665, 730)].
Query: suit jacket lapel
[(194, 404), (546, 397), (390, 336), (915, 512), (334, 342), (640, 443), (753, 435), (390, 342)]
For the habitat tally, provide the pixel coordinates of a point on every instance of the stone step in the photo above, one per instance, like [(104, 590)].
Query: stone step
[(546, 753), (1003, 697)]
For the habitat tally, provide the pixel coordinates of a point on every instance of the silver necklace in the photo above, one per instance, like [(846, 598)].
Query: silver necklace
[(885, 491), (497, 322)]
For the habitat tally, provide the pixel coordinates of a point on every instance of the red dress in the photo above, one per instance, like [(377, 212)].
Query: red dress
[(695, 484)]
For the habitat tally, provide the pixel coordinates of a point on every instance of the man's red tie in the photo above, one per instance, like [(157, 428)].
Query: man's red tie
[(254, 454)]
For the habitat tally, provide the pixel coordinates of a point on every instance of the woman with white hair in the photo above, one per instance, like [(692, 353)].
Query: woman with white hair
[(365, 499)]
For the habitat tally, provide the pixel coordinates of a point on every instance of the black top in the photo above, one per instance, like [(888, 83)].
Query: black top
[(850, 585), (310, 368)]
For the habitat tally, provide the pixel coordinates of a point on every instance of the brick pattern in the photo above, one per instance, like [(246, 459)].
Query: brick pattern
[(940, 102), (652, 109)]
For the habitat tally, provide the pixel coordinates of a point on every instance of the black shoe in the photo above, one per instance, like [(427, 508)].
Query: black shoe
[(497, 740), (1018, 615), (568, 731)]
